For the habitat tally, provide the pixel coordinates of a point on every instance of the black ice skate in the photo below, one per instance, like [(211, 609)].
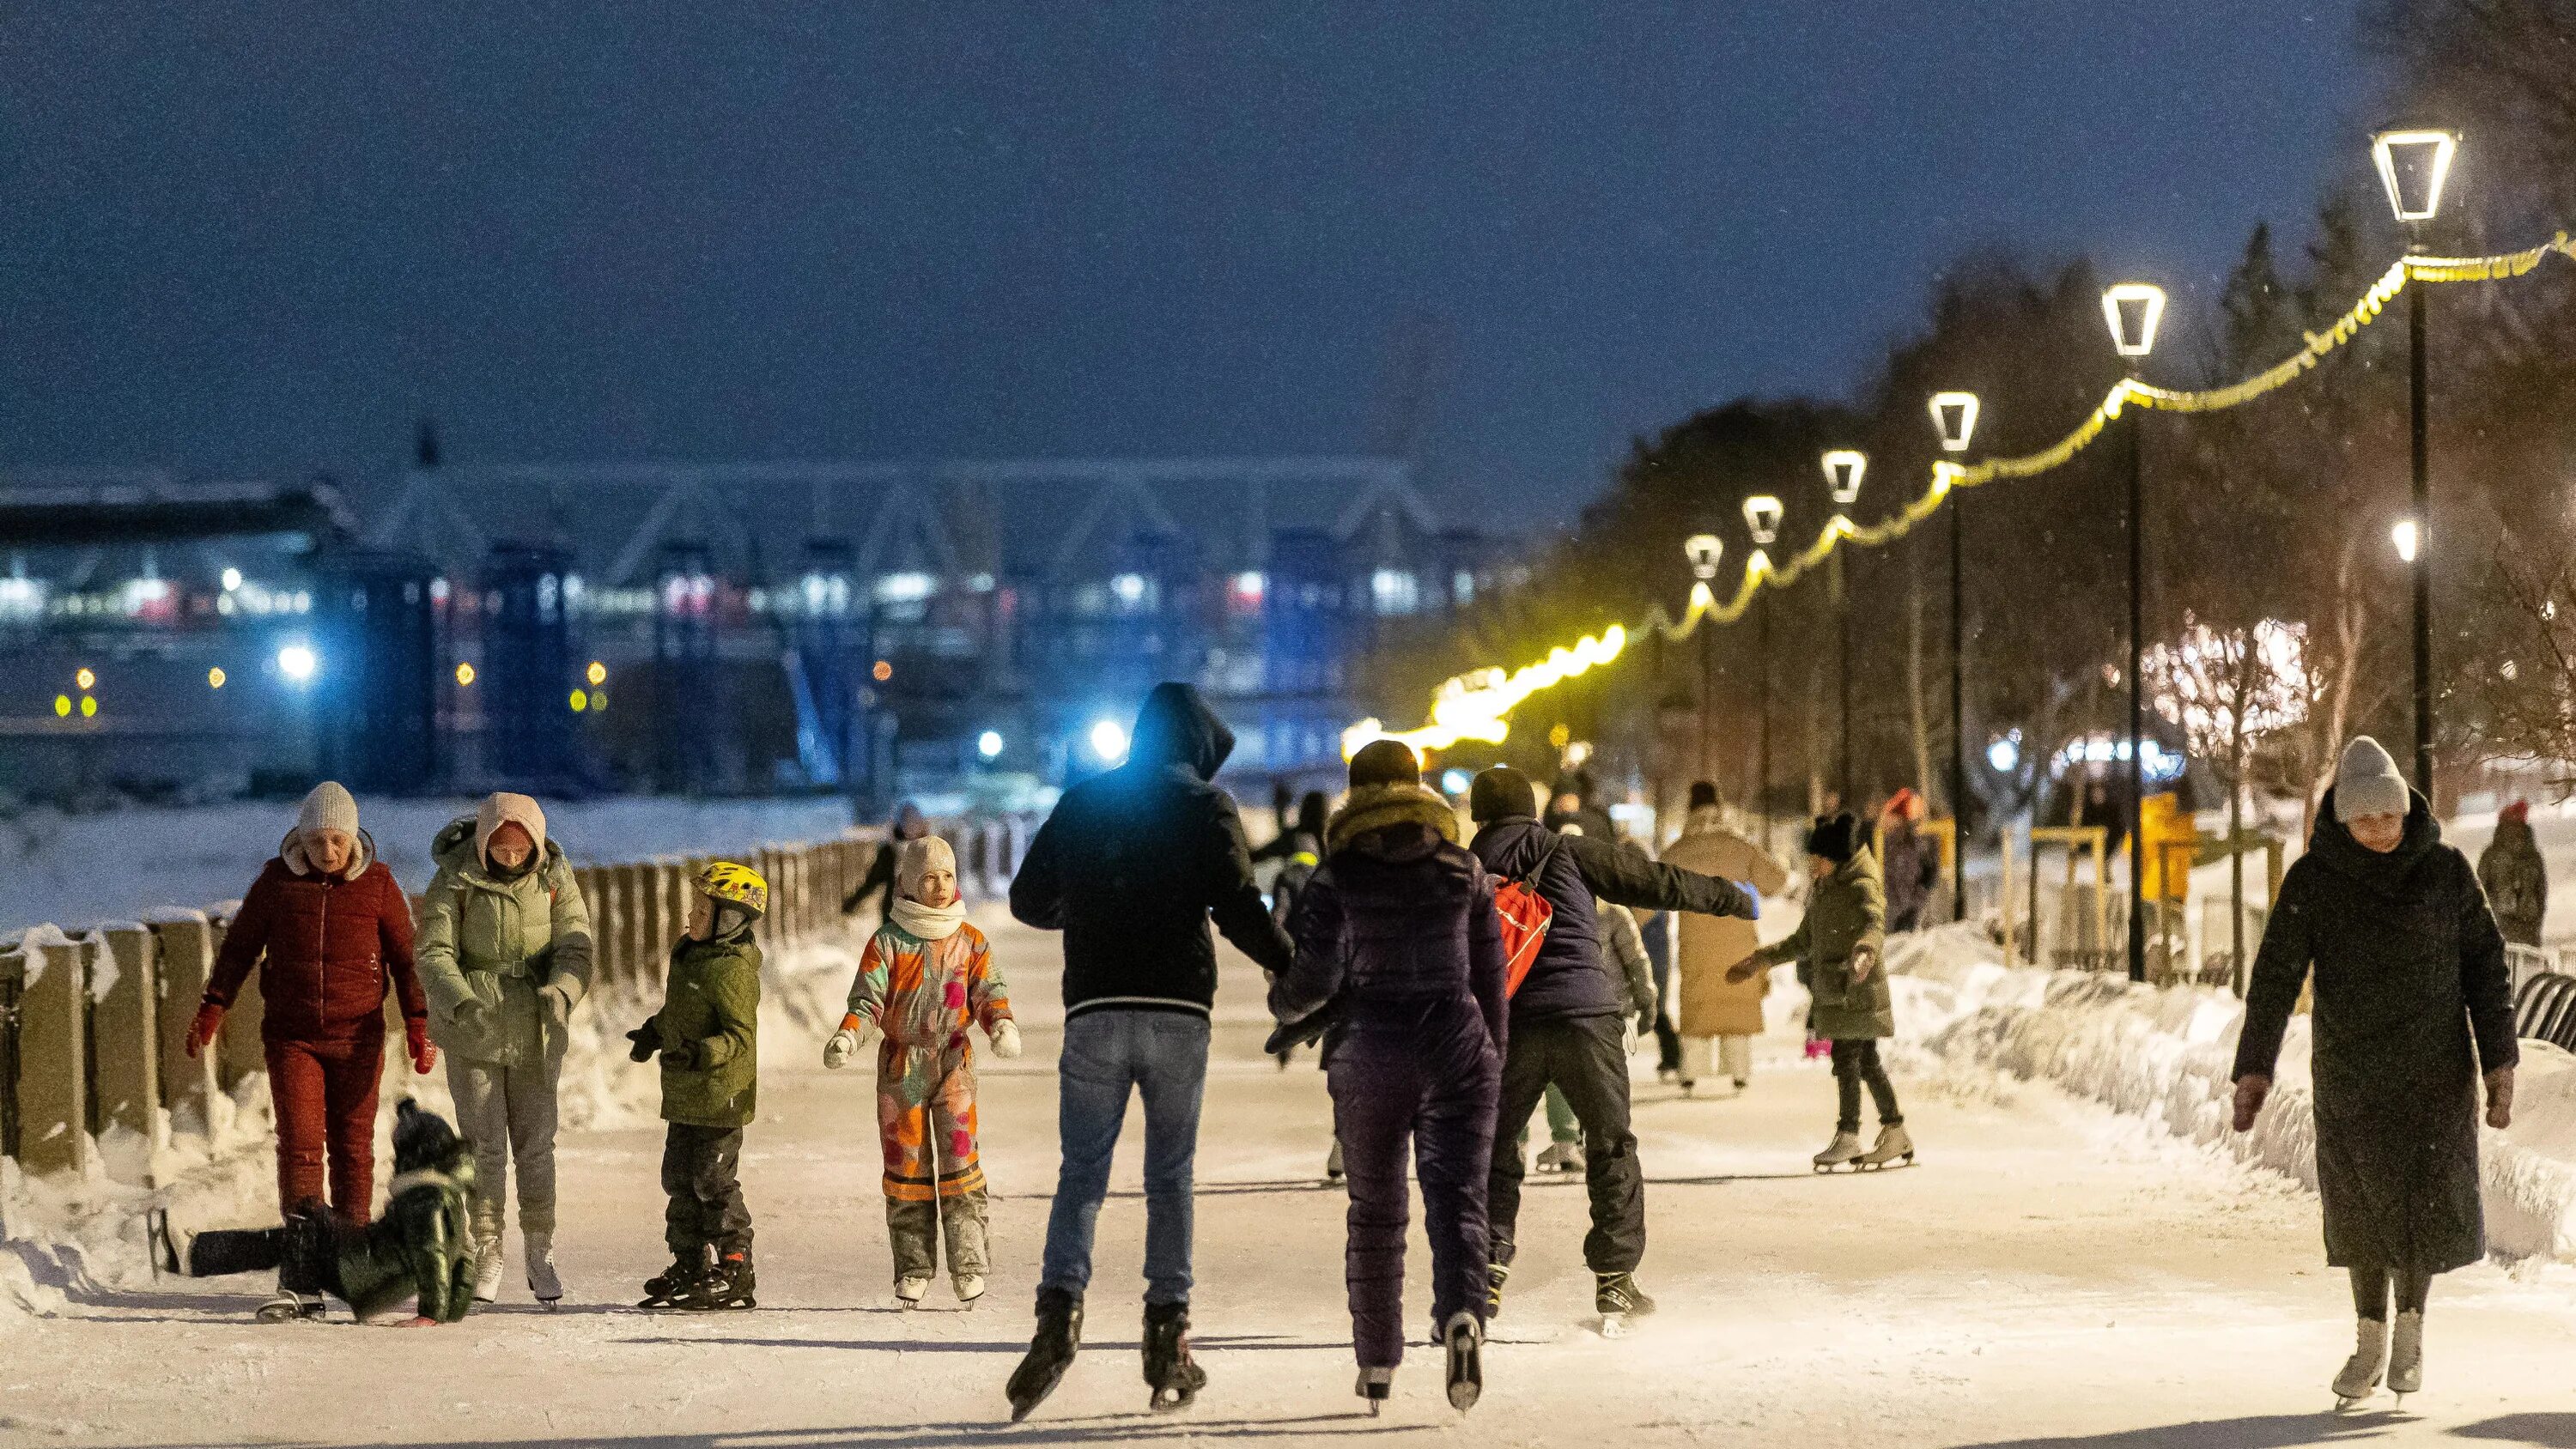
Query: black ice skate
[(1464, 1337), (1051, 1351), (1176, 1378), (1617, 1298), (667, 1288), (728, 1285), (1374, 1386)]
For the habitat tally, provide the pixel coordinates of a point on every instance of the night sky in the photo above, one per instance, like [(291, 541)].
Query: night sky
[(262, 237)]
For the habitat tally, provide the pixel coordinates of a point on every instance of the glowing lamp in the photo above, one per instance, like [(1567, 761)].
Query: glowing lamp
[(1954, 414), (1704, 550), (232, 580), (989, 744), (85, 679), (597, 673), (580, 700), (1843, 469), (2407, 538), (89, 707), (464, 675), (2133, 309), (2412, 166), (1109, 741), (297, 662), (62, 706), (215, 678), (1762, 515)]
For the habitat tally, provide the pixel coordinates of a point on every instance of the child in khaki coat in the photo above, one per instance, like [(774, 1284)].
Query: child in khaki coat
[(925, 976)]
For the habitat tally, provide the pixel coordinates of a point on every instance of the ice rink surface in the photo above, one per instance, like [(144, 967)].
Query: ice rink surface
[(2050, 1274)]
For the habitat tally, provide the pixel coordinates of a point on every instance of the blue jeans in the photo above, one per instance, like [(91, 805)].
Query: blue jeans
[(1163, 1056)]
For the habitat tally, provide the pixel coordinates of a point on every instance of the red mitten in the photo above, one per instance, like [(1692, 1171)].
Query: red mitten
[(423, 1055), (201, 1032)]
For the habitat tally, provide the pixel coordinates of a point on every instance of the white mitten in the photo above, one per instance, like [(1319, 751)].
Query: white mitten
[(838, 1051), (1006, 1038)]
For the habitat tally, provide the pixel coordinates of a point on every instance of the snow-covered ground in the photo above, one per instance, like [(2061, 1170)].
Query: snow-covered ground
[(2055, 1272), (79, 869)]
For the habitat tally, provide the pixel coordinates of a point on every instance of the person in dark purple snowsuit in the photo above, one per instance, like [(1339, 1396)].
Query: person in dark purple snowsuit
[(1398, 939)]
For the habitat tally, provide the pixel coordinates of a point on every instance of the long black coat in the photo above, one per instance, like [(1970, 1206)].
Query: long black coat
[(2412, 1003)]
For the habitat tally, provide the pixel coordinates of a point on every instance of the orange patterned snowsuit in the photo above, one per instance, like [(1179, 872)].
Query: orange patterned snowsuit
[(924, 995)]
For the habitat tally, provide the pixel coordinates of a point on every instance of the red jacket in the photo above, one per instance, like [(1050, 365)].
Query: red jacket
[(330, 943)]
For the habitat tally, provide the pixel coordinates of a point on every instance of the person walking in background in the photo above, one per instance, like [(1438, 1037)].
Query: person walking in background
[(1655, 933), (2515, 877), (1397, 936), (1838, 947), (924, 977), (1568, 1024), (1626, 946), (505, 955), (1720, 1016), (908, 824), (2411, 1008), (1908, 859), (1131, 865), (330, 932), (708, 1036)]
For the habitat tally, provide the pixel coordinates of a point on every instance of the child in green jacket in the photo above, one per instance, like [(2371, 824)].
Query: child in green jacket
[(708, 1035)]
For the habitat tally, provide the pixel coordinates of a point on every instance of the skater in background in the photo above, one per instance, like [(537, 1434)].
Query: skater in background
[(420, 1250), (1131, 866), (1397, 937), (708, 1036), (1720, 1015), (2410, 1007), (1301, 850), (908, 824), (924, 977), (1655, 933), (2515, 877), (1567, 1025), (1837, 947), (1627, 947), (505, 955), (329, 930), (1910, 861)]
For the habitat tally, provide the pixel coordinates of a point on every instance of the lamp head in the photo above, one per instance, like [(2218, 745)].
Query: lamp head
[(1704, 550), (1954, 414), (1843, 470), (2413, 164), (1762, 515), (2133, 309)]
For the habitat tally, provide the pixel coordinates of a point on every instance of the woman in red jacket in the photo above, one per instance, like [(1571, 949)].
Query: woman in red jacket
[(334, 926)]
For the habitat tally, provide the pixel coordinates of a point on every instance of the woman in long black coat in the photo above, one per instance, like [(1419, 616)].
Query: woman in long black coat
[(2411, 1003)]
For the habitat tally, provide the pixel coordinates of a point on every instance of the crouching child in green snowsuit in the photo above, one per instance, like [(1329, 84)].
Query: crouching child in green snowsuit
[(420, 1248), (708, 1036)]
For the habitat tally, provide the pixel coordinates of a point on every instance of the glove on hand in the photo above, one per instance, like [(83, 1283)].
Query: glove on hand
[(423, 1055), (1752, 895), (201, 1032), (1006, 1038), (644, 1043), (681, 1057), (856, 1031), (557, 1001)]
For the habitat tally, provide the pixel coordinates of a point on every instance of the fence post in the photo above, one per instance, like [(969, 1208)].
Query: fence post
[(13, 982), (53, 1074), (185, 949), (629, 926), (239, 1051), (123, 1002)]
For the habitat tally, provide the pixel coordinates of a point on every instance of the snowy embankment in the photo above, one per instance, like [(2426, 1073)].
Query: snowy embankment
[(66, 1241), (2164, 1054)]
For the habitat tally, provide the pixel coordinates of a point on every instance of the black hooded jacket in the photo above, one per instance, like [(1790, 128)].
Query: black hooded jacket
[(1132, 863), (1569, 978)]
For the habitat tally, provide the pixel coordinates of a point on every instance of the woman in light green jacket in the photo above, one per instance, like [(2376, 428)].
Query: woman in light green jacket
[(505, 955)]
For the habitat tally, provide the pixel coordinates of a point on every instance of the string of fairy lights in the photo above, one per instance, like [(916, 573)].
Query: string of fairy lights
[(1475, 706)]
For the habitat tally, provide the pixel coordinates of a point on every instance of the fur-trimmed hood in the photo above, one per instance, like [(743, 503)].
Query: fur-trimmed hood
[(291, 851), (1375, 807)]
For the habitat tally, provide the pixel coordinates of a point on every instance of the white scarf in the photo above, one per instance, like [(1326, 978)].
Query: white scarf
[(929, 923)]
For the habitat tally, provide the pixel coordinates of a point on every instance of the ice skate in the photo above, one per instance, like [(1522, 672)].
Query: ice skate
[(1561, 1157), (1333, 1164), (2361, 1371), (1618, 1299), (163, 1246), (1051, 1351), (1375, 1385), (1464, 1337), (726, 1286), (489, 1265), (2406, 1356), (544, 1284), (1893, 1146), (291, 1307), (1176, 1377), (1496, 1274), (666, 1288), (1842, 1151), (1690, 1086), (911, 1288), (969, 1287)]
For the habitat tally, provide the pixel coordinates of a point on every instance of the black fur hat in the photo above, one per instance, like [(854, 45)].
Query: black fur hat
[(422, 1138), (1835, 837)]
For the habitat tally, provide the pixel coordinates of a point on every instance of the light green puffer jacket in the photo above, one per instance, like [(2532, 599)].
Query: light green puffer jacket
[(498, 941)]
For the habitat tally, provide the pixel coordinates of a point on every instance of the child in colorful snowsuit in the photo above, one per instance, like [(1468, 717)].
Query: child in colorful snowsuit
[(708, 1034), (925, 976)]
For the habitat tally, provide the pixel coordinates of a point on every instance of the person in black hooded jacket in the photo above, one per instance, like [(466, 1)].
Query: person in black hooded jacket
[(1131, 866), (1566, 1023)]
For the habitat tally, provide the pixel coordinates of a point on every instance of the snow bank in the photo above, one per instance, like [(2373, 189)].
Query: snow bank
[(2164, 1054)]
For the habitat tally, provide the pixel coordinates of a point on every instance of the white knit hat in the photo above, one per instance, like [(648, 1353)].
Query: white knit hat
[(329, 807), (2367, 782)]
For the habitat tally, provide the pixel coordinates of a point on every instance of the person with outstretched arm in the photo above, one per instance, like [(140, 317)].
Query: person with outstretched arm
[(1131, 866), (1567, 1024)]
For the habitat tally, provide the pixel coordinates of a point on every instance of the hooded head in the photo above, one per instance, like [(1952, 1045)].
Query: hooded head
[(1385, 762), (2367, 782), (1834, 837), (1312, 810), (915, 859), (1175, 727), (422, 1139), (2517, 813), (503, 808), (1501, 793)]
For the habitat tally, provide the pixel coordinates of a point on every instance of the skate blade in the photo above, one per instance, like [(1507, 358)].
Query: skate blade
[(1614, 1325)]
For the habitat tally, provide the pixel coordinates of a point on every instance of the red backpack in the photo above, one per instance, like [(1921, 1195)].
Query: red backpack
[(1526, 916)]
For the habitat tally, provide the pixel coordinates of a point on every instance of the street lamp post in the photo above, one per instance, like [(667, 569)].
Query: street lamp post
[(1704, 550), (1843, 470), (2412, 167), (1954, 414), (2133, 309), (1762, 515)]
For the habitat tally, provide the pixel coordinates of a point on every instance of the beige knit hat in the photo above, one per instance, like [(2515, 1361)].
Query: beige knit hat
[(330, 806), (917, 858)]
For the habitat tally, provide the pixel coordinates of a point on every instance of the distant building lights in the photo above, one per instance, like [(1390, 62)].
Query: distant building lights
[(215, 678), (989, 744), (297, 662), (597, 673), (1109, 741), (84, 678), (464, 675)]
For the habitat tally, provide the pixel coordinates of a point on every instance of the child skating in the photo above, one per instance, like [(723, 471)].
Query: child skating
[(708, 1035), (1837, 947), (924, 977)]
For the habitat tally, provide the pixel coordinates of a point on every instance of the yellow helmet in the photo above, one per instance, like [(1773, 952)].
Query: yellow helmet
[(739, 884)]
